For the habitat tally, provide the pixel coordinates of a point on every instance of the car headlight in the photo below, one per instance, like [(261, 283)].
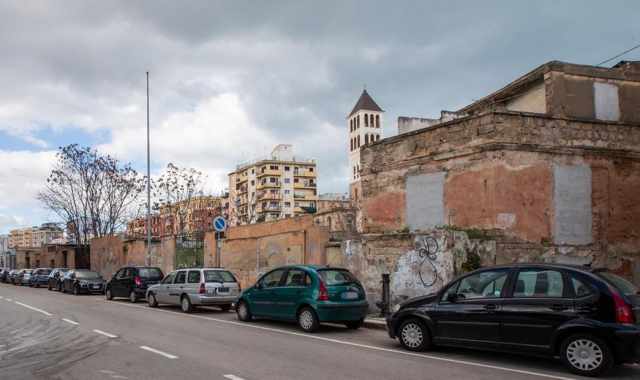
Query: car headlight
[(83, 283), (395, 308)]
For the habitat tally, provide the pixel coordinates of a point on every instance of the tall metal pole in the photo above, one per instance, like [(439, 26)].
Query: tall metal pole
[(148, 261)]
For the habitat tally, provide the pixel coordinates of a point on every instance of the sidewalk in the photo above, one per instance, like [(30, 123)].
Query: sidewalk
[(375, 322)]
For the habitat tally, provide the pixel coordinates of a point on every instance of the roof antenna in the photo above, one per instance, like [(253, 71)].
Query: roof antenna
[(364, 87)]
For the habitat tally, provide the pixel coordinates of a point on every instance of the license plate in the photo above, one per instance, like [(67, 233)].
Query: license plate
[(349, 296), (223, 290), (95, 286)]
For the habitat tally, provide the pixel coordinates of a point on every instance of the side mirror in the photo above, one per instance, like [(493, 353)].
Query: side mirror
[(258, 285)]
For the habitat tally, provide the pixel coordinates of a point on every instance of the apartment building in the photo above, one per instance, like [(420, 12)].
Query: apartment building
[(277, 187), (30, 237)]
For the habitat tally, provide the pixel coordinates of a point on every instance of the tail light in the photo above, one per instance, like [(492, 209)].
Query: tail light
[(202, 290), (324, 293), (624, 314), (137, 281)]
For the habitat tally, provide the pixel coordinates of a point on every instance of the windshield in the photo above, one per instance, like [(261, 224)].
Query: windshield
[(218, 276), (336, 276), (622, 285), (45, 271), (150, 273), (87, 275)]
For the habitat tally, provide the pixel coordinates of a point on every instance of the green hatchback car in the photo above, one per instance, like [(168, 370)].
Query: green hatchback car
[(307, 294)]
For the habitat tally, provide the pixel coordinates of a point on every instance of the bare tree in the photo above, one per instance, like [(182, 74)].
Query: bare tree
[(174, 192), (92, 193)]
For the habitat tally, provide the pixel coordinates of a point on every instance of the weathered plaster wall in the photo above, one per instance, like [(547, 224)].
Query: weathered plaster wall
[(532, 100), (110, 253)]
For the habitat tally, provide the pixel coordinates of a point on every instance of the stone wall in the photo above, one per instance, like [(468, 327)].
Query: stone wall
[(567, 186), (110, 253)]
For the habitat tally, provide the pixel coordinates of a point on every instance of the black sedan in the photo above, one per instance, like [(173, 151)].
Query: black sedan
[(79, 281), (589, 318)]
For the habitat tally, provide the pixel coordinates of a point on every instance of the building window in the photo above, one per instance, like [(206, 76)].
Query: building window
[(286, 168), (366, 120), (287, 204), (366, 139), (377, 121), (295, 180), (287, 191), (311, 170), (358, 141), (287, 180), (358, 121), (272, 180), (253, 182), (274, 167), (371, 120)]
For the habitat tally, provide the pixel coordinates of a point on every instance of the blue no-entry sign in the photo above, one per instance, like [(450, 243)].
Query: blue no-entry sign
[(219, 224)]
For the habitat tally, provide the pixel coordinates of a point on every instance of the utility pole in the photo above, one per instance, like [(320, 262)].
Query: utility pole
[(148, 260)]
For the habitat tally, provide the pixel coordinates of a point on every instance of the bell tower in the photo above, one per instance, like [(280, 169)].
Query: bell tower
[(365, 127)]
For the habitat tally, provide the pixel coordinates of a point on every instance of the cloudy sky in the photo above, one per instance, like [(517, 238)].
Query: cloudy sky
[(231, 79)]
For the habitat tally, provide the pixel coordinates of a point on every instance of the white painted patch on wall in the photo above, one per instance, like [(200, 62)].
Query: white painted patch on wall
[(606, 101), (506, 220)]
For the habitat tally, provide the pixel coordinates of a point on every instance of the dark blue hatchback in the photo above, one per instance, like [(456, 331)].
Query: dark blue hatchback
[(39, 277)]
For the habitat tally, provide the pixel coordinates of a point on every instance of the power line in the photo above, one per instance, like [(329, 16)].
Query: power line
[(619, 55)]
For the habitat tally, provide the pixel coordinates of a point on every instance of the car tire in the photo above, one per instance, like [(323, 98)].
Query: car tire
[(151, 300), (354, 325), (243, 312), (49, 288), (225, 307), (308, 319), (133, 297), (414, 335), (108, 295), (185, 304), (76, 290), (586, 355)]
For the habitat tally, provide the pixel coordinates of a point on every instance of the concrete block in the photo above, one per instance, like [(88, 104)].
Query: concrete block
[(425, 200), (572, 204)]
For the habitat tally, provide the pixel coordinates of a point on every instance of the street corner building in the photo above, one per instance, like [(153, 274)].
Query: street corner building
[(546, 169)]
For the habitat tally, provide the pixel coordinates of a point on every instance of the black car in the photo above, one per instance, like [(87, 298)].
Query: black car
[(4, 274), (79, 281), (590, 318), (39, 277), (11, 277), (132, 282), (54, 282)]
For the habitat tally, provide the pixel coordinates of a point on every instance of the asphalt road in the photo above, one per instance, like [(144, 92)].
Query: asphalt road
[(48, 335)]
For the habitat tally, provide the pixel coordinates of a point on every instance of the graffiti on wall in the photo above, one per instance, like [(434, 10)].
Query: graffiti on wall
[(427, 249)]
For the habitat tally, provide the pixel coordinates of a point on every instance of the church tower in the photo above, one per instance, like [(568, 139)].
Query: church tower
[(365, 127)]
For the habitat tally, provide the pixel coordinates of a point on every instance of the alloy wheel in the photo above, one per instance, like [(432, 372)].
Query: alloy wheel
[(242, 310), (306, 319), (584, 354), (412, 335)]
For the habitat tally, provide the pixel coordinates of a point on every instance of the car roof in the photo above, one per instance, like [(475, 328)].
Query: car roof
[(581, 268), (314, 267), (207, 268)]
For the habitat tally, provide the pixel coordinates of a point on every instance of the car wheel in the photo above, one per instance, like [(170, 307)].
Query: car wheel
[(133, 298), (243, 312), (354, 325), (414, 335), (308, 320), (225, 307), (151, 300), (76, 290), (108, 295), (185, 304), (586, 355)]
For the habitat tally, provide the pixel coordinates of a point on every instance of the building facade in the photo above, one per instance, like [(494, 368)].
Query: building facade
[(281, 186), (32, 237)]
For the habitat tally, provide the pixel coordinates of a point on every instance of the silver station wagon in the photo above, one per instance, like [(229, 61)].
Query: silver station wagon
[(195, 287)]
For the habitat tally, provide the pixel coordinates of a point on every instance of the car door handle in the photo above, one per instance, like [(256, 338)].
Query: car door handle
[(559, 307), (490, 307)]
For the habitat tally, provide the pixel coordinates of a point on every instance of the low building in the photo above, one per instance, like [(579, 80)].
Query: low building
[(278, 187), (53, 256)]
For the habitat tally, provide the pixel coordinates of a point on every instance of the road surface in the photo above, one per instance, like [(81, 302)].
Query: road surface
[(49, 335)]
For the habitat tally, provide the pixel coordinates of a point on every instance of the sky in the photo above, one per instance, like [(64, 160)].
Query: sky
[(229, 80)]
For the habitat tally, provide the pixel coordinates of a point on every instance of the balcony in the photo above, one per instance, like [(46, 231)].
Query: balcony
[(271, 172), (304, 185), (268, 185), (269, 196), (305, 173)]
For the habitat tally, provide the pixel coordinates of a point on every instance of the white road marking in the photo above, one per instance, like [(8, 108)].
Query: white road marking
[(233, 377), (346, 343), (34, 308), (9, 300), (1, 297), (105, 334), (70, 321), (168, 356)]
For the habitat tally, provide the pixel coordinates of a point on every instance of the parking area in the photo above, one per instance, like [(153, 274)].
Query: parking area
[(53, 335)]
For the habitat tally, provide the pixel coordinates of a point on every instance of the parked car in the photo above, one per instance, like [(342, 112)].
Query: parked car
[(307, 294), (39, 277), (25, 277), (56, 276), (4, 274), (78, 281), (196, 287), (11, 277), (132, 282), (590, 318)]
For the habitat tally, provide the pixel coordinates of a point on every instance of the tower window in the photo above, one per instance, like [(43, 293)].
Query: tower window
[(366, 139), (357, 121), (358, 144), (377, 121), (371, 120), (377, 137), (366, 120)]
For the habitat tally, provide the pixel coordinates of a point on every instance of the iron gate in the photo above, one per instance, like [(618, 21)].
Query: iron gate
[(189, 251)]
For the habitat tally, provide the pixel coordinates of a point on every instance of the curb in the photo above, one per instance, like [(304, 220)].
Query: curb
[(375, 324)]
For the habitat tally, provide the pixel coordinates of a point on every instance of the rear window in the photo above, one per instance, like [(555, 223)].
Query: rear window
[(150, 273), (336, 277), (45, 271), (87, 275), (622, 285), (218, 276)]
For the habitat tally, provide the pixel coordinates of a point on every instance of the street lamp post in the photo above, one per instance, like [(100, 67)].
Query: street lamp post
[(148, 260)]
